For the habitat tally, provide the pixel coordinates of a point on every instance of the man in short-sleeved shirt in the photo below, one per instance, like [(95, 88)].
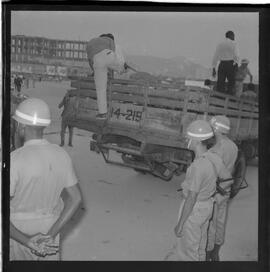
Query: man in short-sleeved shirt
[(39, 172), (198, 188), (227, 150), (103, 54)]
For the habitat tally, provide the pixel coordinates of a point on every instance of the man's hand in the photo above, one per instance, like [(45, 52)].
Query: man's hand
[(214, 73), (42, 245), (178, 231)]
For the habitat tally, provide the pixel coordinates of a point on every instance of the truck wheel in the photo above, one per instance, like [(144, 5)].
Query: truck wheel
[(238, 174)]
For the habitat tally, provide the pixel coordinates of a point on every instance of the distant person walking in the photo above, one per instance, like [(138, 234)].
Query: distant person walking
[(240, 76), (18, 83), (102, 55), (68, 113), (227, 55)]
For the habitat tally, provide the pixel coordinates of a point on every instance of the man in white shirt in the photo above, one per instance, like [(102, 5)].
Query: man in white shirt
[(227, 56), (39, 173)]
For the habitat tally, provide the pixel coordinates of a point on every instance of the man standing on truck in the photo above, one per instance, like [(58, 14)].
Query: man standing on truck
[(102, 55), (198, 188), (39, 173), (240, 76), (227, 150), (227, 55)]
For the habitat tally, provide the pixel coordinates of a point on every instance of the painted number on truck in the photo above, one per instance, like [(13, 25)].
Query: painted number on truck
[(127, 114)]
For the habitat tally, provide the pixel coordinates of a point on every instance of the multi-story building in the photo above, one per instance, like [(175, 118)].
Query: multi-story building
[(43, 56)]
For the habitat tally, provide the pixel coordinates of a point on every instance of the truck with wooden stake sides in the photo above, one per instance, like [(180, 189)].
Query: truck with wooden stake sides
[(146, 124)]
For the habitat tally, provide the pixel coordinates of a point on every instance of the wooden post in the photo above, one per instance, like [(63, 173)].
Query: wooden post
[(239, 118)]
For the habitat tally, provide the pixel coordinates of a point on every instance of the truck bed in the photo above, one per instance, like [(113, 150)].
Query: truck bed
[(159, 114)]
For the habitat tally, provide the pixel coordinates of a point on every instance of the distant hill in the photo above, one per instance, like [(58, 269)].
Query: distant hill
[(173, 67)]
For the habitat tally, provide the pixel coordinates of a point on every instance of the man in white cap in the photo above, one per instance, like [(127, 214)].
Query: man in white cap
[(240, 76), (198, 188), (39, 173), (227, 150)]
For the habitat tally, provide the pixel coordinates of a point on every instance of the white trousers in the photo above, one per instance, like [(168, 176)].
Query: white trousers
[(101, 62), (192, 245), (217, 225), (30, 224)]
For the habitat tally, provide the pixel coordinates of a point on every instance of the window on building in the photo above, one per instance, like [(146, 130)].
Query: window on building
[(76, 55)]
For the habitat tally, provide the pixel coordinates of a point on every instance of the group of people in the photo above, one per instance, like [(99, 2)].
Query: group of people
[(200, 229), (227, 56), (105, 56), (40, 172)]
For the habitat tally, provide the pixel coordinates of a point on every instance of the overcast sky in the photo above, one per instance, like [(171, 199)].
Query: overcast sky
[(165, 34)]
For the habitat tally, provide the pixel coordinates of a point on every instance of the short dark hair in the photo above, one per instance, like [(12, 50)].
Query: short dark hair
[(209, 142), (109, 35), (229, 34)]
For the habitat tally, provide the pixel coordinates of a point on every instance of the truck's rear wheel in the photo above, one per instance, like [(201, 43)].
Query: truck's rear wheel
[(238, 174)]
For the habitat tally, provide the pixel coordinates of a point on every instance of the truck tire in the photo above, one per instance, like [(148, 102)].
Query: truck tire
[(238, 174)]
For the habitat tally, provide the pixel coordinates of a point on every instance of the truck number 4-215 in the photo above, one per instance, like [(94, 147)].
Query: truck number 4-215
[(130, 115)]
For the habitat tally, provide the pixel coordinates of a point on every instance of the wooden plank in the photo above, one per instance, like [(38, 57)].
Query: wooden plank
[(216, 101), (132, 99), (216, 110)]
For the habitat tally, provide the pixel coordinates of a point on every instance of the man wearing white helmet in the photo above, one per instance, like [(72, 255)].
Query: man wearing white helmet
[(240, 76), (39, 173), (227, 151), (198, 188)]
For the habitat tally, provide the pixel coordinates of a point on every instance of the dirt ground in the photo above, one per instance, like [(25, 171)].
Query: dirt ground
[(131, 216)]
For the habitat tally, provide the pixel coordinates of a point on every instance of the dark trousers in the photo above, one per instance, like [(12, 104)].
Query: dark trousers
[(226, 70), (64, 125)]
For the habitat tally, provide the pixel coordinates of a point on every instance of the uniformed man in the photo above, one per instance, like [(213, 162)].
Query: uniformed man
[(227, 151), (102, 55), (198, 188), (39, 173)]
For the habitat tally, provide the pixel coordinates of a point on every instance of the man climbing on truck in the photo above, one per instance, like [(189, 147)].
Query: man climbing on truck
[(102, 55)]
